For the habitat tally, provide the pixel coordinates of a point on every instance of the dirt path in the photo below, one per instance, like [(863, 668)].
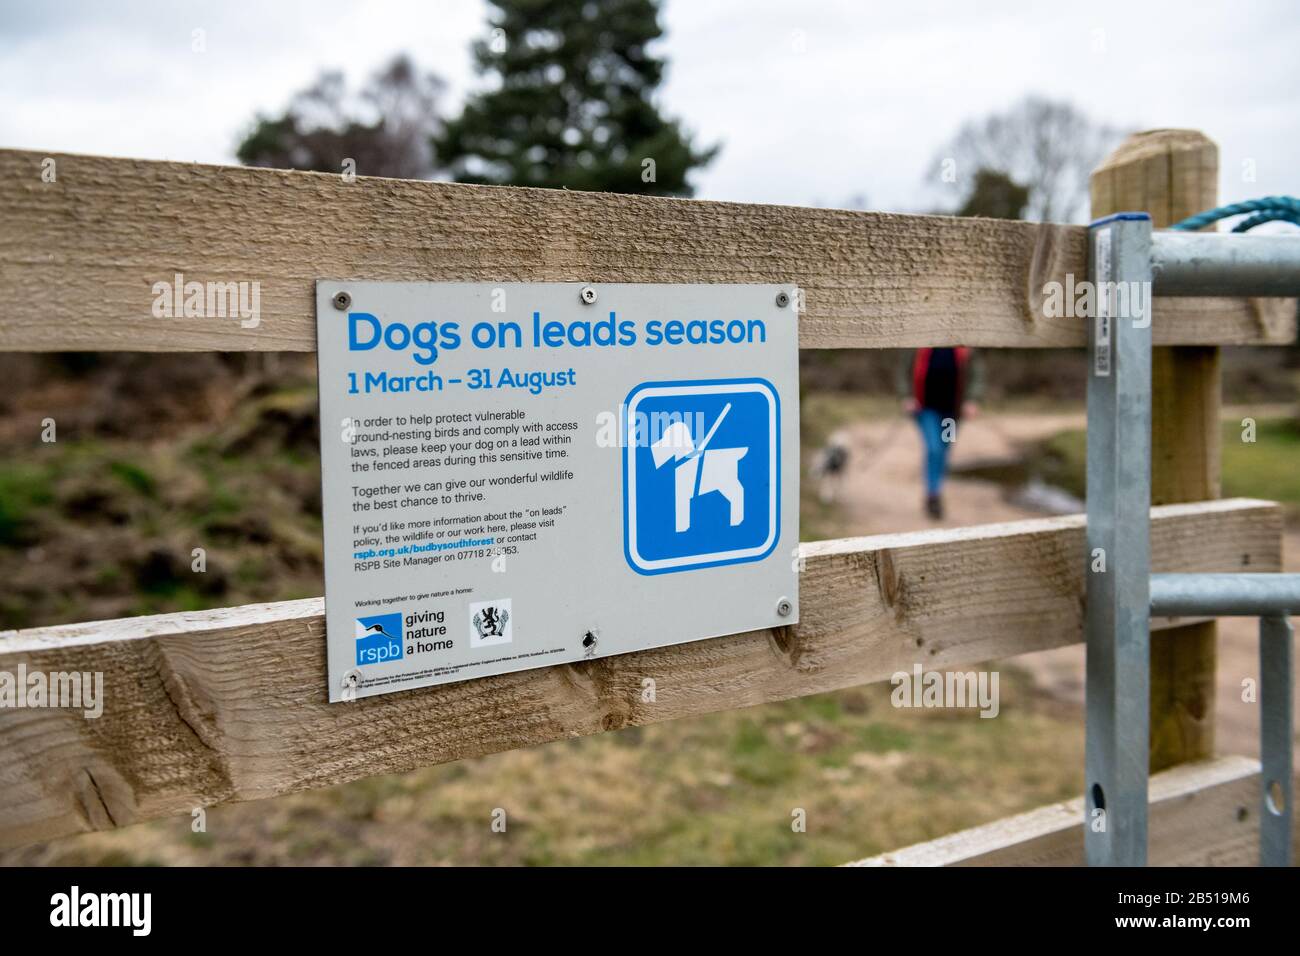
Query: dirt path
[(882, 493), (882, 490)]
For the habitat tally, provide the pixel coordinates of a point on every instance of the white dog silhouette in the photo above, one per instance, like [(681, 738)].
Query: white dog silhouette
[(700, 472)]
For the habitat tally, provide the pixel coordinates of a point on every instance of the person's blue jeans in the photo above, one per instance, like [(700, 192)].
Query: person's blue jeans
[(936, 449)]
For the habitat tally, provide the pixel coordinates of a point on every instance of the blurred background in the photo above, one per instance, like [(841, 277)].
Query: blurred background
[(932, 107)]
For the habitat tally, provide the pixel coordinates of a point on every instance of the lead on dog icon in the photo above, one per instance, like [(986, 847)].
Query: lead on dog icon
[(700, 470), (701, 474)]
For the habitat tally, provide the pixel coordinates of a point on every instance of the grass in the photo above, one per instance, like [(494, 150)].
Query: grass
[(134, 477), (24, 489), (121, 518), (1267, 467), (720, 789)]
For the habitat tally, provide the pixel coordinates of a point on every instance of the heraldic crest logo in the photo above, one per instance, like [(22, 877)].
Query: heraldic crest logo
[(490, 623)]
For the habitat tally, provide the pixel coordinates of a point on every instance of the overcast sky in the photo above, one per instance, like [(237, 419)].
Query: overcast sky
[(815, 101)]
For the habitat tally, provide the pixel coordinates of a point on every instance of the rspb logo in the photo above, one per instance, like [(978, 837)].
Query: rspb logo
[(379, 639)]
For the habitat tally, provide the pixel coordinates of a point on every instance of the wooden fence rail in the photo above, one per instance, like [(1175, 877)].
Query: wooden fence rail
[(1204, 813), (217, 706), (226, 705), (79, 257)]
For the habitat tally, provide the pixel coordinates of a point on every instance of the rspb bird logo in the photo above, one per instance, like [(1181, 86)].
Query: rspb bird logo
[(490, 623), (379, 639)]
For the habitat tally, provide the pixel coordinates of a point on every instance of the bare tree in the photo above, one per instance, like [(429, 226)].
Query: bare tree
[(385, 129), (1050, 147)]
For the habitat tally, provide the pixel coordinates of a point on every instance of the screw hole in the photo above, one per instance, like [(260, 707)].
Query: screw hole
[(1098, 797), (589, 640), (1275, 798)]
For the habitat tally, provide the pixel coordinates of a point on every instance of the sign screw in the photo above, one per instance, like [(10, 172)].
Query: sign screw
[(784, 607), (587, 295), (342, 300), (782, 300)]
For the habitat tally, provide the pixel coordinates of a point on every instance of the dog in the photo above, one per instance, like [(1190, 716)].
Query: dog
[(700, 470), (829, 466)]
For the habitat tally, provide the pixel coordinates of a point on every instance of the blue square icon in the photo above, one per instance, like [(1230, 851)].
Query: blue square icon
[(379, 639), (701, 474)]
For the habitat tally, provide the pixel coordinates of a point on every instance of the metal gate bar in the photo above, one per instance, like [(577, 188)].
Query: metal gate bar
[(1270, 597), (1209, 263), (1275, 735), (1127, 265), (1119, 546), (1224, 595)]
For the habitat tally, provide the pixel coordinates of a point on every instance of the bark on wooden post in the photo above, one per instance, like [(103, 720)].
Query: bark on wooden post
[(1173, 174)]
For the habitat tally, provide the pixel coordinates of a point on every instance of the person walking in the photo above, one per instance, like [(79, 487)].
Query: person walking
[(938, 387)]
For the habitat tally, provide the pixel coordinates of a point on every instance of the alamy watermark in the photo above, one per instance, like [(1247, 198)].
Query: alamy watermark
[(133, 911), (946, 689), (57, 689), (179, 299), (675, 429), (1088, 300)]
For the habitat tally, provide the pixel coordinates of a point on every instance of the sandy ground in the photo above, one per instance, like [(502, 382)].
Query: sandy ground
[(881, 493)]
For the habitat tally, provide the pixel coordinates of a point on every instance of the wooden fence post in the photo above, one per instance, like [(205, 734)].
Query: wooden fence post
[(1173, 174)]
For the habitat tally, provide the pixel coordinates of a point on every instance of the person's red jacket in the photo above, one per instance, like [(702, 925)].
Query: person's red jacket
[(921, 365)]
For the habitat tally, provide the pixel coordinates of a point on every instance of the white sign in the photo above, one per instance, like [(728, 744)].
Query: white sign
[(522, 475)]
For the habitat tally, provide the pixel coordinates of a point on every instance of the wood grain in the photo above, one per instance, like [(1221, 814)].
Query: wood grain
[(1202, 814), (217, 706), (79, 257)]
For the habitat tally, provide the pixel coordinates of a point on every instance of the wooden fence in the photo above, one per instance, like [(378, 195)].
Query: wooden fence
[(224, 705)]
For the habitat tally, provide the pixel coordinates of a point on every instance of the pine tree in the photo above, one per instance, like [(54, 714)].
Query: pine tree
[(570, 103)]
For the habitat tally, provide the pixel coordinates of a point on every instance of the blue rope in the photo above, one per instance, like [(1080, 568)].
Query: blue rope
[(1268, 209)]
